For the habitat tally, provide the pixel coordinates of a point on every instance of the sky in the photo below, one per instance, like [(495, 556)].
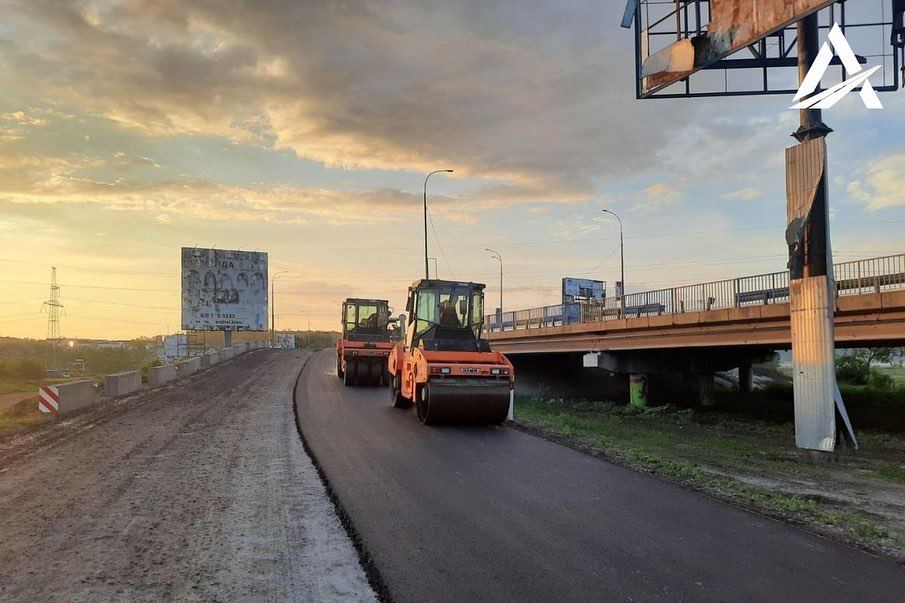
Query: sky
[(132, 128)]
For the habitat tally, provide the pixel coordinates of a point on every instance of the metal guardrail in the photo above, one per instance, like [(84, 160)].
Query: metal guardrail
[(852, 278)]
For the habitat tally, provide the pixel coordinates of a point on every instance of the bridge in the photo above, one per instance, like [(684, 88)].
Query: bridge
[(706, 326)]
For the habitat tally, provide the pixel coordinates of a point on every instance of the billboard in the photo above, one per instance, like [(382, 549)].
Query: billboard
[(224, 290), (582, 289)]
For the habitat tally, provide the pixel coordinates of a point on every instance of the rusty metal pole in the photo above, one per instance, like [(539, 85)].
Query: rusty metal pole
[(812, 289), (816, 244)]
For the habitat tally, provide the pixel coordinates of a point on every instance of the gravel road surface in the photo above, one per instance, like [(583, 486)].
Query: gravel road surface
[(197, 490), (490, 513)]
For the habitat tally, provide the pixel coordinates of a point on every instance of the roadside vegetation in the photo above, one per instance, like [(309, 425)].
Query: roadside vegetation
[(316, 340), (19, 382), (753, 463), (22, 372)]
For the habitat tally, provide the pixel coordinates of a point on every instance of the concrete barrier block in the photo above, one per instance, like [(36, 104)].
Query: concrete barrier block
[(76, 394), (209, 359), (189, 366), (121, 384), (158, 375)]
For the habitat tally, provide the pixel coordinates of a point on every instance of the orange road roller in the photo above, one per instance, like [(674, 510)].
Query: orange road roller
[(443, 366), (361, 352)]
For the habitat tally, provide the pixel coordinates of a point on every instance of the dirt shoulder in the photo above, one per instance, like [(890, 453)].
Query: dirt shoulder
[(197, 490), (859, 499)]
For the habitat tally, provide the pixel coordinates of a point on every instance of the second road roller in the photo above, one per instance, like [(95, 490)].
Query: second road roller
[(444, 367), (361, 352)]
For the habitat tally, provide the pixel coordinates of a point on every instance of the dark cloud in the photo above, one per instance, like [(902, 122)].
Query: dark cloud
[(538, 96)]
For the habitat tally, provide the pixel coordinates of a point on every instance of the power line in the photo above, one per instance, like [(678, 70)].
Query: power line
[(102, 270), (440, 245)]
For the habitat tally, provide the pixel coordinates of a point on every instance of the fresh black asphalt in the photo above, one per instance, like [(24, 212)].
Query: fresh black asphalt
[(491, 513)]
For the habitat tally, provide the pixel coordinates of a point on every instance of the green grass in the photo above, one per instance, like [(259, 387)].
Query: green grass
[(892, 472), (13, 387), (705, 450)]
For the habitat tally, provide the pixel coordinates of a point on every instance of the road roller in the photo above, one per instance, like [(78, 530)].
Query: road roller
[(443, 367), (366, 342)]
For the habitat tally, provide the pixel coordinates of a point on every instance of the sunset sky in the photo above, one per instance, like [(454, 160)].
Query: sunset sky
[(129, 129)]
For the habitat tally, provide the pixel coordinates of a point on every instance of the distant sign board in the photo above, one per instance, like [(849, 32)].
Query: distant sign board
[(173, 346), (582, 289), (286, 341), (224, 290)]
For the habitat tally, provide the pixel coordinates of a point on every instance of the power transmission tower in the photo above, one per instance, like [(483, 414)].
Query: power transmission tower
[(52, 343)]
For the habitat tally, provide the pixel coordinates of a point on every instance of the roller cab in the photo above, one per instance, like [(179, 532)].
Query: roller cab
[(367, 338), (443, 367)]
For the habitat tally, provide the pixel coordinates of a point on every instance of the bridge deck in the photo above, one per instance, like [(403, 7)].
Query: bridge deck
[(873, 318)]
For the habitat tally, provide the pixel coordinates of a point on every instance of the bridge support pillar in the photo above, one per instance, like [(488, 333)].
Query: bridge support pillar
[(706, 389), (745, 378), (638, 390)]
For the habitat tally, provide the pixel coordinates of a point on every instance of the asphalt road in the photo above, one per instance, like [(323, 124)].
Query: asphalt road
[(490, 513), (199, 490)]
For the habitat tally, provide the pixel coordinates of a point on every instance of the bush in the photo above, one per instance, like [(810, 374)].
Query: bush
[(855, 396), (853, 369), (880, 380), (865, 396), (29, 369)]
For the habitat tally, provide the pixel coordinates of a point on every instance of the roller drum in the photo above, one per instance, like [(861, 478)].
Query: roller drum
[(465, 402), (376, 371)]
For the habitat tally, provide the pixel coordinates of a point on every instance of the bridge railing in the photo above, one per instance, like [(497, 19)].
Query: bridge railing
[(852, 278)]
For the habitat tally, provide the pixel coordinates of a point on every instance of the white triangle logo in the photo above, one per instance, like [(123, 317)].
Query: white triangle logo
[(831, 96)]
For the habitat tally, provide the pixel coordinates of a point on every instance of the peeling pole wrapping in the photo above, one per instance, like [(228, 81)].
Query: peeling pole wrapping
[(812, 287)]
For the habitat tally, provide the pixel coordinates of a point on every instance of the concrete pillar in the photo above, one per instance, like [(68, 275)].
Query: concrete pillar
[(706, 389), (638, 390), (745, 378)]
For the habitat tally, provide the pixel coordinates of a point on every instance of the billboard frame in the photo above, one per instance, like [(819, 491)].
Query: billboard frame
[(774, 50), (224, 290)]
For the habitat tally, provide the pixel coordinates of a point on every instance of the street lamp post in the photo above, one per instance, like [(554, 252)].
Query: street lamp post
[(273, 306), (496, 255), (426, 269), (621, 255)]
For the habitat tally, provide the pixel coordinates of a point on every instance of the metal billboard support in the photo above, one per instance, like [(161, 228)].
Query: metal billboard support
[(812, 286), (677, 42)]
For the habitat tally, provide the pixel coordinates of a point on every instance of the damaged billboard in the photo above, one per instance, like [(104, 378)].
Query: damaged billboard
[(224, 290)]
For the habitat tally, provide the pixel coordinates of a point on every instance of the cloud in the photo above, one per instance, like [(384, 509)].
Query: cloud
[(23, 119), (532, 100), (746, 194), (880, 184), (655, 197), (218, 202)]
